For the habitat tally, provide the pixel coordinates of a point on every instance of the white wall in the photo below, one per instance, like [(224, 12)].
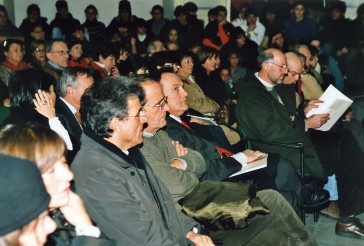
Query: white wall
[(108, 9)]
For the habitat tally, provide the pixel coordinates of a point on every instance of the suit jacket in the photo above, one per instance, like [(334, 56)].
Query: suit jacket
[(118, 196), (217, 169), (263, 117), (71, 124)]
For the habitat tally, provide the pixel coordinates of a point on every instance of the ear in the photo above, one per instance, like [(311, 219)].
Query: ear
[(101, 59), (70, 91), (115, 124), (49, 55)]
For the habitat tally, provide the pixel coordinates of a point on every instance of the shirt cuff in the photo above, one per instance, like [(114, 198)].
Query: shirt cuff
[(241, 158), (88, 230), (184, 163)]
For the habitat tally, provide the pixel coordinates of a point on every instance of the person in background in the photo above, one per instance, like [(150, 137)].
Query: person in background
[(57, 54), (63, 22), (47, 151), (75, 47), (7, 29), (254, 30), (32, 100), (156, 23), (22, 184), (37, 50), (124, 63), (34, 19), (13, 50), (93, 27)]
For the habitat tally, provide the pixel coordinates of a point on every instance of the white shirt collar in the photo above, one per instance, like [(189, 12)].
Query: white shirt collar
[(176, 118), (266, 84)]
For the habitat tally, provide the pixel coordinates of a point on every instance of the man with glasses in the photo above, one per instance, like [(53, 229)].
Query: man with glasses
[(263, 117), (58, 58)]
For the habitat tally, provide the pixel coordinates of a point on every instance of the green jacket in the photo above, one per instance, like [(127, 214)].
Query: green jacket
[(262, 117)]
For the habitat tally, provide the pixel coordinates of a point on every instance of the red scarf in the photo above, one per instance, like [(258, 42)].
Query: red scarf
[(22, 65)]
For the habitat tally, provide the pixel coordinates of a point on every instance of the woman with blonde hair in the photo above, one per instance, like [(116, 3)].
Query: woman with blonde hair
[(47, 150)]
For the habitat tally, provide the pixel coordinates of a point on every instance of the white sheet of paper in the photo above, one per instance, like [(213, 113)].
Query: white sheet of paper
[(208, 120), (255, 165), (335, 103)]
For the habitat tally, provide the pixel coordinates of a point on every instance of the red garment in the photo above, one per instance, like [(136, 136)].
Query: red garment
[(223, 152), (185, 124), (102, 71), (22, 65), (79, 63), (223, 37)]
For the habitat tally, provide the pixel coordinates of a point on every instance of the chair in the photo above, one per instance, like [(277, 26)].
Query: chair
[(304, 177)]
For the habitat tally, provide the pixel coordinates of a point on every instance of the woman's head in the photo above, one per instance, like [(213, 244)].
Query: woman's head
[(233, 58), (173, 35), (276, 40), (24, 202), (186, 63), (37, 48), (13, 50), (299, 11), (25, 83), (47, 150), (207, 58), (75, 48)]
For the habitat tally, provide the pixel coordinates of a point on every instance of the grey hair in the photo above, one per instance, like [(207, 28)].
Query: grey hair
[(69, 78), (264, 57)]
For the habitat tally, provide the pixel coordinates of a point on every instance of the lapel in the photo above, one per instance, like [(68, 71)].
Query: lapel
[(72, 126)]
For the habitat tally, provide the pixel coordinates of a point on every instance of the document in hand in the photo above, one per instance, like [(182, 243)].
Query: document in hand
[(254, 165), (335, 103)]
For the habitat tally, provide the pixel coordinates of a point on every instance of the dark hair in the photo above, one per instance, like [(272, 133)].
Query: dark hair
[(238, 32), (161, 58), (25, 83), (360, 10), (157, 7), (185, 54), (35, 43), (77, 27), (179, 10), (264, 57), (107, 100), (250, 11), (103, 49), (124, 5), (61, 4), (69, 78), (205, 53), (32, 8), (7, 43), (92, 7), (190, 7), (340, 5), (220, 8), (73, 42), (3, 9)]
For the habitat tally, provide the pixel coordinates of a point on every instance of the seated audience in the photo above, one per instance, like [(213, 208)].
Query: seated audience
[(57, 54), (32, 99), (47, 150), (7, 29), (35, 20), (13, 51), (22, 184), (76, 57), (156, 23), (254, 30), (95, 28), (37, 51), (267, 115), (63, 22)]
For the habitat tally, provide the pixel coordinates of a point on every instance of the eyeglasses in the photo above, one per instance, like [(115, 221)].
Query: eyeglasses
[(160, 104), (39, 50), (188, 61), (61, 52), (281, 66), (140, 114)]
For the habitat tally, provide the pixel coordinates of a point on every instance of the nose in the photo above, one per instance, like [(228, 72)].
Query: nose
[(165, 108), (67, 174)]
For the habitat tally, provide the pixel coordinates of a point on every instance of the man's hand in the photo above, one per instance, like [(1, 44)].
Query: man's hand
[(317, 120), (177, 164), (199, 240), (180, 149), (312, 104), (253, 155), (199, 121)]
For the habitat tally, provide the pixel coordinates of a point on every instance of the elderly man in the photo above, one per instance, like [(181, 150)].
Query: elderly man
[(280, 173), (72, 85), (266, 115), (120, 191), (57, 54), (179, 168)]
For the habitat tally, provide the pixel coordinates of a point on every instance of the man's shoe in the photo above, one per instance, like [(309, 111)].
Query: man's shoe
[(331, 211), (353, 228), (314, 197)]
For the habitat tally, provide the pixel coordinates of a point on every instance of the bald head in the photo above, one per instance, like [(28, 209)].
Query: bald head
[(273, 66), (295, 67)]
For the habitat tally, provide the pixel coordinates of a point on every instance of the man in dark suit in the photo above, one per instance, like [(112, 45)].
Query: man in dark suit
[(267, 115), (70, 88), (280, 174)]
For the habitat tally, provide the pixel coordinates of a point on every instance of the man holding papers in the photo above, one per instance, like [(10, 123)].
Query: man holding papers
[(269, 115)]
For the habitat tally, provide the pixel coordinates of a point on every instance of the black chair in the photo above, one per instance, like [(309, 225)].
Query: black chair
[(305, 177)]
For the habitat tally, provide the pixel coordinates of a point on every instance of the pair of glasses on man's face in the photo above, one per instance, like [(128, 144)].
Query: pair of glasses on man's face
[(141, 112)]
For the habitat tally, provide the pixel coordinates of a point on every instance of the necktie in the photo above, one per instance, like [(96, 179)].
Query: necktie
[(275, 95), (78, 116), (185, 124)]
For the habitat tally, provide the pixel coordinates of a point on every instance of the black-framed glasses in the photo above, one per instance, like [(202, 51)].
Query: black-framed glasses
[(281, 66), (61, 52), (160, 104)]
